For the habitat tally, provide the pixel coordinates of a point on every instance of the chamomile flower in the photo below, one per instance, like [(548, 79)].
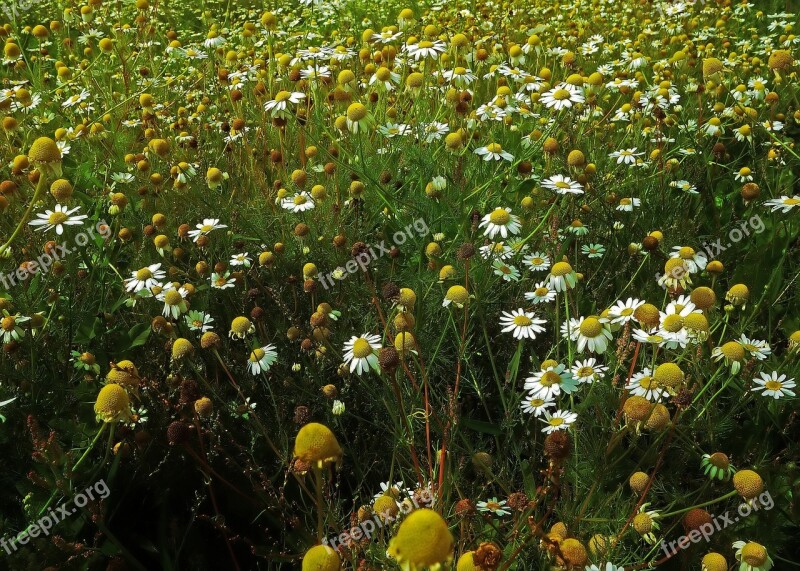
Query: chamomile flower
[(622, 311), (592, 334), (426, 49), (562, 277), (279, 107), (9, 327), (493, 152), (588, 370), (361, 353), (732, 354), (694, 261), (784, 203), (551, 382), (496, 251), (717, 466), (521, 324), (562, 96), (537, 262), (774, 385), (300, 202), (206, 227), (145, 278), (593, 250), (752, 556), (562, 185), (626, 156), (646, 523), (535, 405), (222, 280), (261, 359), (174, 301), (628, 204), (559, 420), (541, 294), (756, 347), (199, 321), (642, 384), (493, 506), (58, 218), (242, 259), (505, 271)]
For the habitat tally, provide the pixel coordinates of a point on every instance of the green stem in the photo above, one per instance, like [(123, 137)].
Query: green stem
[(40, 186)]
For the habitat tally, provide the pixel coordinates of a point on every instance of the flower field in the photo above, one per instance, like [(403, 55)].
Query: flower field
[(336, 284)]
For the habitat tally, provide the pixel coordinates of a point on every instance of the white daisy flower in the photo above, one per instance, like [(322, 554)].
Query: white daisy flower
[(541, 294), (562, 96), (536, 406), (588, 370), (559, 420), (521, 324), (261, 359), (622, 311), (208, 225), (500, 221), (562, 185), (774, 385), (626, 156), (537, 262), (361, 353), (643, 385), (145, 278), (784, 203), (58, 218)]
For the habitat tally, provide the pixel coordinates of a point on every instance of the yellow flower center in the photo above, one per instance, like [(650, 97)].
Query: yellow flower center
[(754, 554), (561, 269), (773, 385), (8, 323), (673, 323), (733, 351), (300, 200), (556, 421), (522, 321), (541, 291), (144, 274), (362, 348), (561, 94), (550, 378), (257, 355), (500, 217), (282, 96), (57, 218), (585, 372), (686, 253), (591, 327), (627, 311), (172, 297), (494, 148)]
